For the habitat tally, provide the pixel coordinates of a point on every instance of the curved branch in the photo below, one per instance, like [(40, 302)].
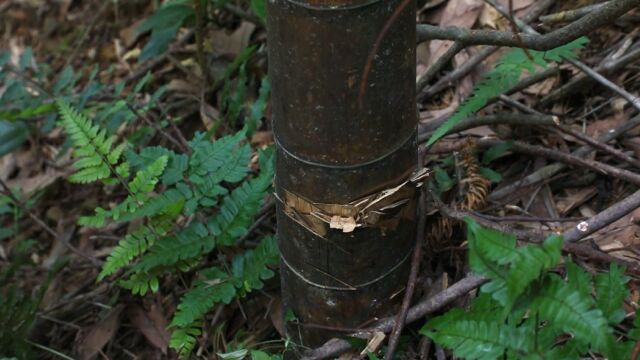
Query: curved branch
[(605, 15)]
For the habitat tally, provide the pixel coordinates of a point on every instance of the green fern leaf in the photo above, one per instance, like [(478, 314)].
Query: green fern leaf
[(470, 339), (240, 207), (579, 279), (611, 290), (253, 266), (490, 251), (183, 339), (232, 170), (93, 148), (145, 180), (97, 220), (176, 165), (504, 76), (90, 174), (169, 202), (190, 242), (214, 162), (214, 286), (133, 245), (140, 283), (572, 312), (114, 156), (208, 157), (528, 264)]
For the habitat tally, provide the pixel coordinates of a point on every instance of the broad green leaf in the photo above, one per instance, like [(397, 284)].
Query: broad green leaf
[(259, 7), (611, 290), (496, 152), (12, 136)]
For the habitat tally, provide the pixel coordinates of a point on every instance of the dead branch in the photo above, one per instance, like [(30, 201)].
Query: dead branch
[(571, 15), (550, 170), (606, 15), (445, 81)]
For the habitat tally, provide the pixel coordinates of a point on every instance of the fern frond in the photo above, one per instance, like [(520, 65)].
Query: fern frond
[(470, 339), (208, 157), (183, 339), (134, 244), (214, 286), (188, 243), (90, 174), (143, 182), (579, 279), (176, 165), (212, 163), (572, 312), (93, 148), (253, 266), (97, 220), (611, 290), (169, 202), (147, 178), (241, 206), (490, 251), (528, 264), (140, 283), (504, 76), (232, 171)]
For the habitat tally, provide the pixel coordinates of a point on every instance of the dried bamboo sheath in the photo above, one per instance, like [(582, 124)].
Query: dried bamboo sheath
[(344, 118)]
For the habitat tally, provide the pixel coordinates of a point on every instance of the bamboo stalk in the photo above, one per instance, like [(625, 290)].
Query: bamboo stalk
[(344, 120)]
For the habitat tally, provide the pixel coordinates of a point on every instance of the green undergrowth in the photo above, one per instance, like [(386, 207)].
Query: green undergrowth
[(536, 305), (185, 206)]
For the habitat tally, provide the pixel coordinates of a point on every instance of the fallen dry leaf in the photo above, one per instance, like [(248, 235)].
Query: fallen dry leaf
[(617, 238), (276, 314), (152, 324), (461, 13), (100, 334), (225, 43), (575, 199)]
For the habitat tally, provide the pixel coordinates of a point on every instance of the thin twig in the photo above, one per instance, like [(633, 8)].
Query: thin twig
[(604, 218), (438, 65), (513, 119), (634, 100), (600, 146), (579, 136), (571, 15), (335, 347), (79, 44), (413, 276), (7, 192), (464, 69)]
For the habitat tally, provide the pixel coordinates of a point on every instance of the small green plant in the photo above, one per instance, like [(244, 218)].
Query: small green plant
[(165, 22), (28, 106), (18, 309), (528, 311), (504, 76), (184, 209)]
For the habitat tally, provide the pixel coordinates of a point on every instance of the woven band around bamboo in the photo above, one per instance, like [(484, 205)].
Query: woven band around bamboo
[(333, 5), (412, 137)]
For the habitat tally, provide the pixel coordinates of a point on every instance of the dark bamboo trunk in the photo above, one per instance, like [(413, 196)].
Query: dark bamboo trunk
[(344, 119)]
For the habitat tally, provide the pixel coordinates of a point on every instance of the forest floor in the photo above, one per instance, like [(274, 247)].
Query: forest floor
[(516, 165)]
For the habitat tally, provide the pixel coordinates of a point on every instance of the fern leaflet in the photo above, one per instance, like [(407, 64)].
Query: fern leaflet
[(611, 290), (93, 148), (504, 76)]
